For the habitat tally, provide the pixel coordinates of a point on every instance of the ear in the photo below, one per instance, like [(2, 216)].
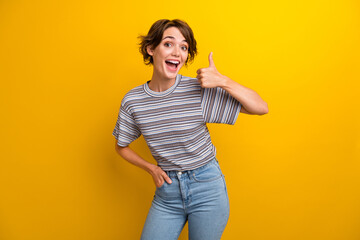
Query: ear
[(149, 50)]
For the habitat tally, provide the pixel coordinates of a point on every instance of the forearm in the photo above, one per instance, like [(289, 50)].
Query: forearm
[(132, 157), (249, 99)]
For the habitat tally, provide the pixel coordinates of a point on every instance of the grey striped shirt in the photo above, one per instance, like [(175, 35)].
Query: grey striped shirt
[(173, 122)]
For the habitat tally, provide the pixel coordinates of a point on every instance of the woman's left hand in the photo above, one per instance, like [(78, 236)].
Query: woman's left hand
[(210, 77)]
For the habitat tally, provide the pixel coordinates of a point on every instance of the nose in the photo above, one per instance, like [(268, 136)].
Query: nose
[(176, 51)]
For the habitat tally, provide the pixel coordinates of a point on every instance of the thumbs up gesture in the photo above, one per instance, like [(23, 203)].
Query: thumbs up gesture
[(210, 77)]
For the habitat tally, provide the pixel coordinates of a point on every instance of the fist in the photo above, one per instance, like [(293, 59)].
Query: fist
[(210, 77)]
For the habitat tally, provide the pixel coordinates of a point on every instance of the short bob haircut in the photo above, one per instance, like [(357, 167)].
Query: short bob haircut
[(155, 34)]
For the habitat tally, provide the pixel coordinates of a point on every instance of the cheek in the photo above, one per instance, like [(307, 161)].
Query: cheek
[(164, 51), (185, 55)]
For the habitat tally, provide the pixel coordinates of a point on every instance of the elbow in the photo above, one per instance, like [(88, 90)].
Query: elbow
[(265, 109)]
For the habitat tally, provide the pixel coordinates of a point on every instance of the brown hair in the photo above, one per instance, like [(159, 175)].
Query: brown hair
[(155, 34)]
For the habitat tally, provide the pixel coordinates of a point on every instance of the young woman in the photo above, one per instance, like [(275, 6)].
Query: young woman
[(171, 112)]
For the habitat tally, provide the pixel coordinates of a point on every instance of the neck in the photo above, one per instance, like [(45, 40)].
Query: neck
[(160, 84)]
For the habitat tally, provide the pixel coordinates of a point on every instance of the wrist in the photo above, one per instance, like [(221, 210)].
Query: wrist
[(225, 82), (150, 168)]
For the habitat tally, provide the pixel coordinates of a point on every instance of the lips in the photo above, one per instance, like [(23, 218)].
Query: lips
[(172, 64)]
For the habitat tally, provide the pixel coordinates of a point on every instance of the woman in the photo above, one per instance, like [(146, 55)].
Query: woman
[(171, 112)]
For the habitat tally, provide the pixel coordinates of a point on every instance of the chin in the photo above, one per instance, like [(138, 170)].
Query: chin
[(171, 75)]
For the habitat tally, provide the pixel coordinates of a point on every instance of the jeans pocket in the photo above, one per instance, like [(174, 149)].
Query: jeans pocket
[(161, 186), (168, 191), (208, 174)]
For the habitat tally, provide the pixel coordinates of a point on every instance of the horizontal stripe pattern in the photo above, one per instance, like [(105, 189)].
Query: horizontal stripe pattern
[(173, 122)]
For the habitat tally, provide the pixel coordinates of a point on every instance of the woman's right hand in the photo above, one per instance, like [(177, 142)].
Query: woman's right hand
[(159, 176)]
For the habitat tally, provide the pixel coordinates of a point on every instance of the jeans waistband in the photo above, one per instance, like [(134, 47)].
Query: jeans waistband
[(173, 173)]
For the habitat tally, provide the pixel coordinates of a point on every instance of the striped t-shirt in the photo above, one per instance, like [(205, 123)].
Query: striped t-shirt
[(173, 122)]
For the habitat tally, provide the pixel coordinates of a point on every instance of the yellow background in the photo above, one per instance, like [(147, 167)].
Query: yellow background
[(292, 174)]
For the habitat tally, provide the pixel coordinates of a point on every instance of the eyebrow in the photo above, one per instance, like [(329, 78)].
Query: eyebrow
[(173, 38)]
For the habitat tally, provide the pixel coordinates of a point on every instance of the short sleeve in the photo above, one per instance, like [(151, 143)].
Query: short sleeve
[(126, 130), (219, 106)]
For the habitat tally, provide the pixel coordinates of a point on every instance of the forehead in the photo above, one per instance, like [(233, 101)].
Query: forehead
[(173, 33)]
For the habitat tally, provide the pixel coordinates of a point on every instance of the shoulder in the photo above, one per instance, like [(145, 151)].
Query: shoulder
[(190, 82), (134, 95), (186, 79), (193, 82)]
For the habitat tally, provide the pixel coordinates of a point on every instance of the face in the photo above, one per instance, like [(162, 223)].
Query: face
[(171, 54)]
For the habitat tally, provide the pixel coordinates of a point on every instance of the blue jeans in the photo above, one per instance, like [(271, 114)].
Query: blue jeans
[(198, 196)]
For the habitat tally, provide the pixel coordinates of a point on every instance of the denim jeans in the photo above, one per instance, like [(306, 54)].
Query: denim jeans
[(198, 196)]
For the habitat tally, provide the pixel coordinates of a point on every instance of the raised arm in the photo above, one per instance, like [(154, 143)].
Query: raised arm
[(251, 102)]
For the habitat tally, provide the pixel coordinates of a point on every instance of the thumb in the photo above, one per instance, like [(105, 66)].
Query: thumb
[(211, 61)]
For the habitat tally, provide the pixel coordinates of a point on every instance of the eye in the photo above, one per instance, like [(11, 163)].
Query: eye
[(184, 48), (167, 44)]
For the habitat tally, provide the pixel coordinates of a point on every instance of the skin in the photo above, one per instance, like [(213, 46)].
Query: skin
[(251, 102), (174, 46)]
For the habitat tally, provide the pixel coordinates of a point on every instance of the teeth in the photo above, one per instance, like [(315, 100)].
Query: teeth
[(174, 62)]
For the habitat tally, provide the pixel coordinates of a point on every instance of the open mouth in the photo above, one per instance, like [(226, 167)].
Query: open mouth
[(172, 65)]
